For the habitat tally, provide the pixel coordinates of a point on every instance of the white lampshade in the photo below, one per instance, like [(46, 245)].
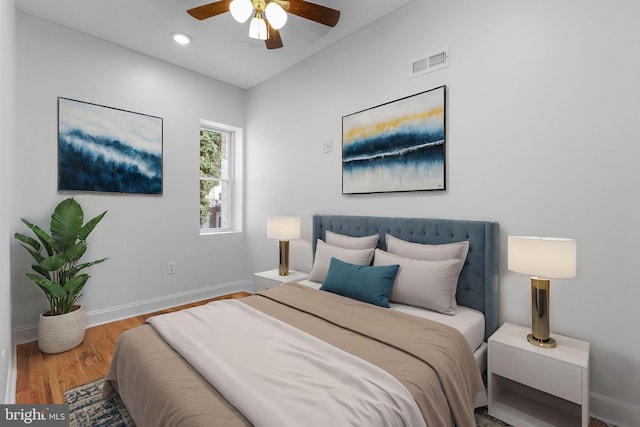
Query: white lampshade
[(241, 10), (258, 28), (283, 227), (548, 257), (276, 15)]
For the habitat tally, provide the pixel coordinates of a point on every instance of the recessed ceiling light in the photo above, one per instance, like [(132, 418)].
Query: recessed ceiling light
[(181, 38)]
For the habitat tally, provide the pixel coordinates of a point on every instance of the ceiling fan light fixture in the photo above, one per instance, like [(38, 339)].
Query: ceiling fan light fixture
[(258, 28), (241, 10), (268, 15), (276, 15)]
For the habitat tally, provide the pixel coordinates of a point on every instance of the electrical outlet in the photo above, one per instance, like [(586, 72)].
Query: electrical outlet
[(327, 146), (171, 267)]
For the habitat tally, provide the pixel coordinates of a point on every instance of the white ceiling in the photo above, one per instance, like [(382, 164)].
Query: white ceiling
[(221, 47)]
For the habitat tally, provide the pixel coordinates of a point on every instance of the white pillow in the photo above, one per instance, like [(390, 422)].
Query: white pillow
[(422, 283), (423, 251), (324, 253), (350, 242), (457, 250)]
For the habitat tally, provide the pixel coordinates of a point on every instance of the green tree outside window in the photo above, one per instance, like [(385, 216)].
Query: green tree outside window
[(210, 167)]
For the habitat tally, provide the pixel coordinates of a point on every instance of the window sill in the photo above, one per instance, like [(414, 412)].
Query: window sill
[(210, 232)]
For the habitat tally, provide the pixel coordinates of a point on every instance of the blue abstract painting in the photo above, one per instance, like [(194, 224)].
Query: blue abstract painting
[(107, 149), (397, 146)]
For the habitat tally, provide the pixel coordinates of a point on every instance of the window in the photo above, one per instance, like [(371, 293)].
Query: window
[(218, 190)]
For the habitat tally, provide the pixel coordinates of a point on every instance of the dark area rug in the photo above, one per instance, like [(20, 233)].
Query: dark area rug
[(87, 408)]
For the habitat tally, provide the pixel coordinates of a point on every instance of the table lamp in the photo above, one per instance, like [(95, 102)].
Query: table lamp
[(543, 258), (283, 228)]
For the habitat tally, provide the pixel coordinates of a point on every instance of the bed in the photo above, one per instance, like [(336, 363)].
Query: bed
[(164, 373)]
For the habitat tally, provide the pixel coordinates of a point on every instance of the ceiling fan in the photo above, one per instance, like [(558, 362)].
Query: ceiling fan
[(268, 16)]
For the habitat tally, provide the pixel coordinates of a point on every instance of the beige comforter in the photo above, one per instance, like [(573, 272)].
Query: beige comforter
[(431, 360), (295, 376)]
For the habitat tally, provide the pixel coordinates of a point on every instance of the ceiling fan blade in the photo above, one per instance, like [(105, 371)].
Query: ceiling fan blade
[(273, 41), (209, 10), (314, 12)]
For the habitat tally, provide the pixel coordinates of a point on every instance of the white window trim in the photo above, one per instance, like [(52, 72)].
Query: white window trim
[(236, 172)]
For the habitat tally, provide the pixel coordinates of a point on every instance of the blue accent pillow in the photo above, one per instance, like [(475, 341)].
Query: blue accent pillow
[(365, 283)]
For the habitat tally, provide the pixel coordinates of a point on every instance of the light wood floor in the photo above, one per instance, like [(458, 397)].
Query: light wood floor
[(43, 378)]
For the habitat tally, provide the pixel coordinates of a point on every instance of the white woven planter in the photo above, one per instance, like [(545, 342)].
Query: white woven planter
[(61, 333)]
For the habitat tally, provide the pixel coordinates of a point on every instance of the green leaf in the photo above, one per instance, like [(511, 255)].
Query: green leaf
[(66, 222), (36, 255), (53, 288), (29, 241), (75, 252), (42, 235), (52, 263), (75, 285), (75, 270), (89, 226), (41, 270)]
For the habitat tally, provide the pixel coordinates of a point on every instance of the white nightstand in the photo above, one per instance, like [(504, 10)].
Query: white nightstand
[(271, 278), (537, 387)]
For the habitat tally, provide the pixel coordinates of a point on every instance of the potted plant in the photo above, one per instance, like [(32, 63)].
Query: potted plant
[(57, 272)]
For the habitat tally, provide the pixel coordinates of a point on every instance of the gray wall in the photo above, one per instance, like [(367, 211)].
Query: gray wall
[(542, 133), (7, 135)]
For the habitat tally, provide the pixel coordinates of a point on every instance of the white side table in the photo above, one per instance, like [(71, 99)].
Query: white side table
[(538, 387), (271, 278)]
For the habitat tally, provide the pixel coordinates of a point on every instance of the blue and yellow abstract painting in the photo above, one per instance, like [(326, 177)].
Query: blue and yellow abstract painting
[(398, 146), (107, 149)]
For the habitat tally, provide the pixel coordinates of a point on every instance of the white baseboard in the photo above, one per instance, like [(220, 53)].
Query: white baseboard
[(614, 412), (9, 363), (28, 333)]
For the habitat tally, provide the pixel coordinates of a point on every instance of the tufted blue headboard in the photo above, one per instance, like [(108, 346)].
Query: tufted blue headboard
[(478, 282)]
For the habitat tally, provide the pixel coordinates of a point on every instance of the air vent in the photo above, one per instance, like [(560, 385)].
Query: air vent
[(435, 61), (420, 66), (438, 59)]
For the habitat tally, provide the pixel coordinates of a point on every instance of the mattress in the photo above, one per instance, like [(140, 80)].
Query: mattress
[(468, 321)]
